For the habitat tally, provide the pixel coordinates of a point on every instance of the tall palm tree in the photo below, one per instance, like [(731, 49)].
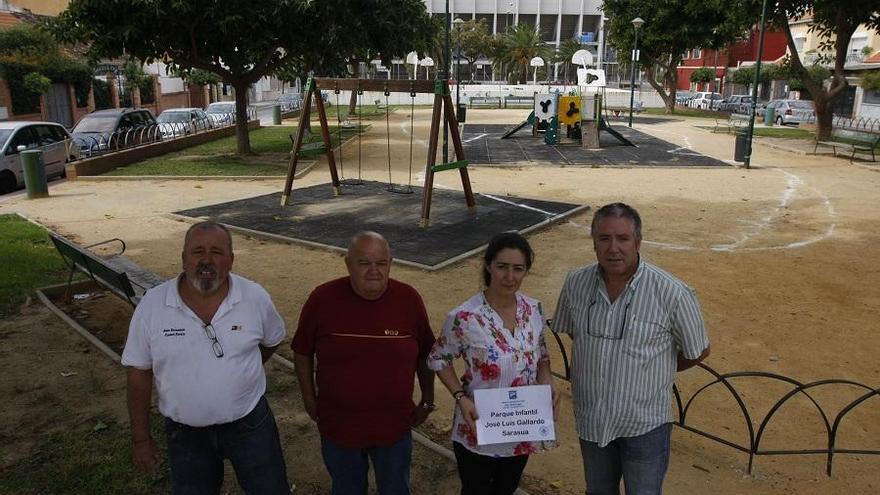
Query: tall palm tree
[(564, 53), (521, 44)]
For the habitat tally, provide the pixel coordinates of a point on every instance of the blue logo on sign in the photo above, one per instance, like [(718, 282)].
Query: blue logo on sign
[(511, 394)]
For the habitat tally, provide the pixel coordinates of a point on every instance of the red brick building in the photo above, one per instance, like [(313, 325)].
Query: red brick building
[(735, 54)]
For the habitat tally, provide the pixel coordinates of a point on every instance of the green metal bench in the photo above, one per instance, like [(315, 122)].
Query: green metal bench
[(110, 272), (863, 143)]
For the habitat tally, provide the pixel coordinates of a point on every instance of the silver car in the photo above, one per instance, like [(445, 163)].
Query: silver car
[(176, 122), (221, 113), (51, 138), (736, 104), (792, 111)]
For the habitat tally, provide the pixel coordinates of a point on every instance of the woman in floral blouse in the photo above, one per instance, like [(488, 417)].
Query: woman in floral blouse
[(499, 333)]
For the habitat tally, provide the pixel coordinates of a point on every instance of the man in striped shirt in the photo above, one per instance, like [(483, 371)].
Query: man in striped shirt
[(633, 326)]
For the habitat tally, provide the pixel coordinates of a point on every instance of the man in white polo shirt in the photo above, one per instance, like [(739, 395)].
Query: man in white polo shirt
[(633, 326), (203, 338)]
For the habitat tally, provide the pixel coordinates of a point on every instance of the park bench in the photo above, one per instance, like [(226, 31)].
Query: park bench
[(519, 101), (485, 101), (623, 112), (731, 123), (863, 143), (111, 272), (308, 148)]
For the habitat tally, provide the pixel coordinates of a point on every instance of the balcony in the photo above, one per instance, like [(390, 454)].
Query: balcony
[(828, 60)]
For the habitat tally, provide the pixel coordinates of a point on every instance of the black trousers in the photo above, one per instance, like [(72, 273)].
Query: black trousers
[(485, 475)]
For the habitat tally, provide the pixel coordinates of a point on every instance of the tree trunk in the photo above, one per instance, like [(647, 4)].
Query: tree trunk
[(242, 137), (668, 98), (353, 100), (824, 118), (823, 98)]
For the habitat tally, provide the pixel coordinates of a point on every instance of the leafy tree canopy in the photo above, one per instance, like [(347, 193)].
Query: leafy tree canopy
[(834, 21), (671, 28), (244, 40), (702, 75), (475, 41), (31, 59), (871, 80)]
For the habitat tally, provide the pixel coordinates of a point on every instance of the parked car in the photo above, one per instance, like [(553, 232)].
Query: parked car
[(51, 138), (705, 100), (290, 102), (115, 128), (736, 104), (221, 112), (176, 122), (792, 111), (683, 97)]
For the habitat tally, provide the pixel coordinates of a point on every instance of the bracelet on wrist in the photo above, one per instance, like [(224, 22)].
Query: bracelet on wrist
[(458, 394), (427, 406)]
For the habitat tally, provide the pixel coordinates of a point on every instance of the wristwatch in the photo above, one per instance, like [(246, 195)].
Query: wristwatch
[(427, 406)]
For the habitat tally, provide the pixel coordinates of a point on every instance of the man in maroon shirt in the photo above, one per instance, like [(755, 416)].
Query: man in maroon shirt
[(370, 335)]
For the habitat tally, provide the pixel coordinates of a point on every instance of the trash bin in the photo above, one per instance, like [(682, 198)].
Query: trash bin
[(276, 115), (34, 174), (739, 149), (462, 113), (769, 116)]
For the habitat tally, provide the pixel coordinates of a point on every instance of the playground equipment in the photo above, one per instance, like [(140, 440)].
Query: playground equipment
[(581, 113), (443, 107)]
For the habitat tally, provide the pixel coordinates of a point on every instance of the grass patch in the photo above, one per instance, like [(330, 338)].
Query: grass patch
[(686, 112), (96, 459), (29, 261), (783, 132), (270, 145)]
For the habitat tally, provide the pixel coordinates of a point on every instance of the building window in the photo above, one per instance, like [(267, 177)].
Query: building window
[(548, 28), (799, 42), (857, 42), (684, 56), (872, 96), (696, 53), (569, 27)]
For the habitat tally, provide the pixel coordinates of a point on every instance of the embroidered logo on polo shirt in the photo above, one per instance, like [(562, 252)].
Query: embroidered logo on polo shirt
[(173, 332), (236, 328)]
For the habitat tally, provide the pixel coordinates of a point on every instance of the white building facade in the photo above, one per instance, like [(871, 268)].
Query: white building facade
[(554, 20)]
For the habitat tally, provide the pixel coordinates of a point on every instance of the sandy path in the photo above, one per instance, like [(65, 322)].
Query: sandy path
[(782, 256)]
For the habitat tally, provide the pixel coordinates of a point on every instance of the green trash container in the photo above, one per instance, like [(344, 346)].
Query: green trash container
[(769, 116), (34, 173), (276, 115), (462, 113), (739, 147)]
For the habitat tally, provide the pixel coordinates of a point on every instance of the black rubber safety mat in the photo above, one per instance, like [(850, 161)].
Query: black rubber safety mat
[(483, 146), (317, 218)]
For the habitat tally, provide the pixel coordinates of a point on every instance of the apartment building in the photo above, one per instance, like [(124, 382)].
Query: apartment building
[(555, 20)]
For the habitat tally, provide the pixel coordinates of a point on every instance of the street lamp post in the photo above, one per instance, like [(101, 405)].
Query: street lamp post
[(747, 159), (637, 24), (458, 22)]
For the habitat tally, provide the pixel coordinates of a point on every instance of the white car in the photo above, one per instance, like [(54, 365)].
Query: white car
[(705, 100), (51, 138), (176, 122)]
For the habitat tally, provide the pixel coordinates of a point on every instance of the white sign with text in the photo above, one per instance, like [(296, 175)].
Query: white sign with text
[(517, 414)]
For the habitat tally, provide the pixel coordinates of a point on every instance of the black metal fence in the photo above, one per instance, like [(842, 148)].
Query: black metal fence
[(752, 445)]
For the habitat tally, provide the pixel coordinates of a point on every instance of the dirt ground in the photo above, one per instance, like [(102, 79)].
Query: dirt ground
[(782, 257)]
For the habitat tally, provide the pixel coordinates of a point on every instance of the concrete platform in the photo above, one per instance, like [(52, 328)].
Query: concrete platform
[(317, 218)]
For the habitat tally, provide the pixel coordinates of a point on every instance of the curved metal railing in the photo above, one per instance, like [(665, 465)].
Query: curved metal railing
[(753, 447)]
